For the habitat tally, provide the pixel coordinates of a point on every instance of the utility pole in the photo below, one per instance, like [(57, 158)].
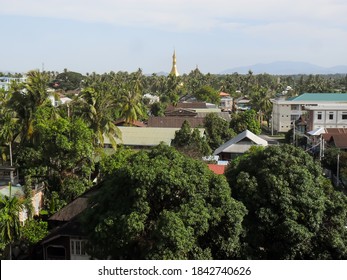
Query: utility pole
[(338, 170), (294, 132)]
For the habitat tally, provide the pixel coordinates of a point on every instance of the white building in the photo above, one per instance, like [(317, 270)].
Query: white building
[(226, 101), (239, 145), (285, 111), (326, 116), (5, 82)]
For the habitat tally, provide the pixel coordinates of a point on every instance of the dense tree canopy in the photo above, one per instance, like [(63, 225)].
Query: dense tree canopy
[(245, 120), (190, 142), (208, 94), (68, 80), (163, 205), (293, 212), (217, 130)]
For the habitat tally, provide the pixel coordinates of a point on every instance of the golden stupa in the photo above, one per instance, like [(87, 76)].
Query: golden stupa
[(174, 71)]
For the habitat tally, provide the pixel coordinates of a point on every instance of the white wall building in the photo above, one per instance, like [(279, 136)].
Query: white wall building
[(6, 81), (326, 116), (285, 111)]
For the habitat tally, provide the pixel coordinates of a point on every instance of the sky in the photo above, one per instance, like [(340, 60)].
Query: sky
[(117, 35)]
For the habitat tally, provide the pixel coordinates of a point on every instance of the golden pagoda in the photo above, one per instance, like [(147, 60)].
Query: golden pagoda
[(174, 71)]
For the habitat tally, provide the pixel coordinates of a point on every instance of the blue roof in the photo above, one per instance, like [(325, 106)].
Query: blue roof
[(329, 97)]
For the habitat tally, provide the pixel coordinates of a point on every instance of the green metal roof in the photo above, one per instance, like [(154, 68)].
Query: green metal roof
[(329, 97)]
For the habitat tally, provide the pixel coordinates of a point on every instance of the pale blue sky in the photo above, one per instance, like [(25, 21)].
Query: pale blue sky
[(105, 35)]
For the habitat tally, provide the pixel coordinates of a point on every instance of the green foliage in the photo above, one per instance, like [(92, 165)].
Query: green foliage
[(67, 151), (33, 231), (97, 107), (189, 142), (163, 205), (157, 109), (245, 120), (10, 207), (217, 130), (288, 205), (331, 239), (111, 163), (67, 81), (207, 94)]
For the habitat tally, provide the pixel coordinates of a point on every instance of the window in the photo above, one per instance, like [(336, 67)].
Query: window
[(293, 118), (78, 247), (331, 115), (344, 115), (294, 107), (319, 115)]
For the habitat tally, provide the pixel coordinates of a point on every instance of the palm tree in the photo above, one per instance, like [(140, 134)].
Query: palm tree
[(131, 106), (27, 98), (9, 129), (10, 208), (97, 107), (261, 103)]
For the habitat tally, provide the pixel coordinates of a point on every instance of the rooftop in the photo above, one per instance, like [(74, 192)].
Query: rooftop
[(217, 169), (329, 97)]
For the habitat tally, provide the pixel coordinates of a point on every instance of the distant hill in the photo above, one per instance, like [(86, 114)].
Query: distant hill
[(287, 68)]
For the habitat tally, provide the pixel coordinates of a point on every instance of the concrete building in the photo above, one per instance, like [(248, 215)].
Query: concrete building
[(285, 111), (6, 81), (326, 116), (226, 101)]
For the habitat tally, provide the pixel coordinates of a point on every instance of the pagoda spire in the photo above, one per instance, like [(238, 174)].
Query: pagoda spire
[(174, 68)]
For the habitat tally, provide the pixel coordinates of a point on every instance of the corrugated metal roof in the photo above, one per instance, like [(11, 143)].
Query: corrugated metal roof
[(329, 97), (175, 122), (146, 136), (238, 141), (217, 169)]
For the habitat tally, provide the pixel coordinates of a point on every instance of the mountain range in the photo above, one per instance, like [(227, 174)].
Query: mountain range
[(287, 68)]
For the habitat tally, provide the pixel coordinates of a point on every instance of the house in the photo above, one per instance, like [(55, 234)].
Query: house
[(243, 103), (239, 145), (285, 111), (151, 98), (226, 102), (17, 190), (336, 137), (175, 121), (122, 122), (201, 109), (66, 240), (146, 137)]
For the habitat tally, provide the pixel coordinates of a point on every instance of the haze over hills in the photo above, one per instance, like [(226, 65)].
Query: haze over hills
[(287, 68), (273, 68)]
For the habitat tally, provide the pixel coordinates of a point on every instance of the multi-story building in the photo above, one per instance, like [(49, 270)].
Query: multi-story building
[(6, 81), (226, 101), (285, 111), (326, 116)]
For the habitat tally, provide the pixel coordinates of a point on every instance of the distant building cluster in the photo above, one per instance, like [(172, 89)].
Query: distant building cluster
[(5, 82)]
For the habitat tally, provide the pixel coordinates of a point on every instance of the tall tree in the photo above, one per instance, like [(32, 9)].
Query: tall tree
[(26, 99), (208, 94), (245, 120), (164, 205), (132, 108), (261, 103), (97, 107), (289, 205), (217, 130), (10, 208), (190, 142)]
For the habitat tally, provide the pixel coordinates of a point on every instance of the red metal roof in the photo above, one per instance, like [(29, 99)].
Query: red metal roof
[(224, 94), (217, 169)]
